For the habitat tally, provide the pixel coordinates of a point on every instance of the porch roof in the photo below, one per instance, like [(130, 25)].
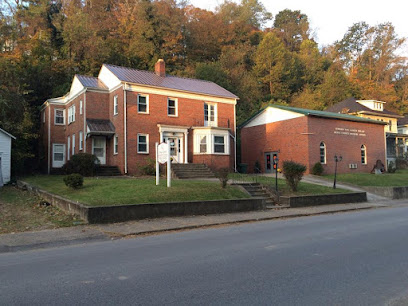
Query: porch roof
[(100, 127)]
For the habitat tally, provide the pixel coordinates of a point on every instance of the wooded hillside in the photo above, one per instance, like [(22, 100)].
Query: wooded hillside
[(43, 44)]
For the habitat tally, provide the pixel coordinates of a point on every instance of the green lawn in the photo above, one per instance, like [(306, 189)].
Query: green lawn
[(117, 191), (399, 178), (303, 188)]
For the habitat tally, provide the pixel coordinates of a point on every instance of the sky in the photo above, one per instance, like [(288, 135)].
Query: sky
[(330, 20)]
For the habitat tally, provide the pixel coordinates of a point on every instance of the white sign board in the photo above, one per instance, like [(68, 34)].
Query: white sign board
[(162, 153)]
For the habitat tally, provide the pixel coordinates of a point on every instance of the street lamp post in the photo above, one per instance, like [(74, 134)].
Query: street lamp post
[(336, 160), (275, 161)]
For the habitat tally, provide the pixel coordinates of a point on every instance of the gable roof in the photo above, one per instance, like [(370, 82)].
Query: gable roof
[(315, 113), (8, 134), (91, 82), (149, 78), (351, 105)]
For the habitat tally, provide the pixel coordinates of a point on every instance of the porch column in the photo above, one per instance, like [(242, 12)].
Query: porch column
[(186, 147), (161, 137)]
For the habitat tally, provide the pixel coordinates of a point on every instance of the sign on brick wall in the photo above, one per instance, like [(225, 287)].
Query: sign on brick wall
[(349, 132)]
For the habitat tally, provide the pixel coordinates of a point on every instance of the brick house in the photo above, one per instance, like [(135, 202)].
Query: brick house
[(308, 137), (374, 109), (121, 114)]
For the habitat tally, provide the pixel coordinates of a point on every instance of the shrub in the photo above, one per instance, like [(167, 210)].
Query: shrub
[(293, 173), (82, 163), (317, 169), (391, 167), (149, 168), (74, 180), (401, 163), (223, 175)]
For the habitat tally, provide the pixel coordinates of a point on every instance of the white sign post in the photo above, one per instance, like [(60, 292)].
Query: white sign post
[(162, 157)]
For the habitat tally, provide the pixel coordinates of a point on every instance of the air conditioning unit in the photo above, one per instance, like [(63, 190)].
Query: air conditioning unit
[(353, 166)]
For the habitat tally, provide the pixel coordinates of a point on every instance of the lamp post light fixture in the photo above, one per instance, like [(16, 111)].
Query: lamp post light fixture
[(275, 161), (336, 160)]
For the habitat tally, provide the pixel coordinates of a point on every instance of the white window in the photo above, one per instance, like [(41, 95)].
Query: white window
[(81, 140), (143, 143), (73, 144), (68, 147), (172, 107), (203, 143), (219, 144), (43, 116), (210, 141), (115, 145), (81, 108), (115, 105), (363, 151), (322, 153), (143, 104), (210, 114), (71, 114), (59, 116), (58, 155)]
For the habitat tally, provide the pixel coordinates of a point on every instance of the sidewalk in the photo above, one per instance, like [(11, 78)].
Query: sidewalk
[(104, 232)]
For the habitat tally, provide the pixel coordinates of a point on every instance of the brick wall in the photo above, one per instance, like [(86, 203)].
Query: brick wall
[(299, 140)]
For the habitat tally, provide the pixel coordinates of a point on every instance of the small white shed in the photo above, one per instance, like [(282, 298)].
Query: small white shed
[(5, 156)]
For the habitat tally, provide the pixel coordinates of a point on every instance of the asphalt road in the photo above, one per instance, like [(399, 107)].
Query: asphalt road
[(358, 258)]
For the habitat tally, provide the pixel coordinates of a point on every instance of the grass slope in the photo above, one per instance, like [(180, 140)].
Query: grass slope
[(117, 191), (397, 179)]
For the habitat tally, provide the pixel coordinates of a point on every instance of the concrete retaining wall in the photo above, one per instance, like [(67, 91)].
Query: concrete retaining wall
[(389, 192), (315, 200), (106, 214)]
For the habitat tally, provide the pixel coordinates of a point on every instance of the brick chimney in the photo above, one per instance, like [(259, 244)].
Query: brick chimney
[(160, 68)]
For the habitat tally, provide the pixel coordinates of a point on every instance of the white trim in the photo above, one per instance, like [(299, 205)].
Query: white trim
[(49, 140), (73, 144), (115, 105), (81, 140), (210, 134), (211, 122), (8, 134), (125, 126), (55, 116), (175, 107), (85, 122), (68, 147), (325, 153), (115, 144), (147, 143), (235, 138), (147, 103), (180, 94), (63, 154)]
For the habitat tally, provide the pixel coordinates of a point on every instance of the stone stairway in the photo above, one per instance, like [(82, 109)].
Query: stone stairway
[(191, 171), (257, 190), (107, 171)]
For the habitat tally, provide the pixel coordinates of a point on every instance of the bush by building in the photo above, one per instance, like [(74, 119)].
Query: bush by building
[(293, 173), (82, 163), (317, 169)]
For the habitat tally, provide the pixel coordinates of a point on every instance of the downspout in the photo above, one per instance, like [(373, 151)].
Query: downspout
[(124, 126), (85, 131), (49, 138), (235, 136)]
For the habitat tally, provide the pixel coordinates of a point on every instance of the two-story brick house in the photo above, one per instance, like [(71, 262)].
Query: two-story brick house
[(374, 109), (121, 114)]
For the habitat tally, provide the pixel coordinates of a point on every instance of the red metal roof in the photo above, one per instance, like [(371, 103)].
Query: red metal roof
[(149, 78)]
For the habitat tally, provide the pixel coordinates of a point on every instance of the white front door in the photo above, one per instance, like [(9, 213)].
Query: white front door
[(99, 149), (176, 149), (58, 155)]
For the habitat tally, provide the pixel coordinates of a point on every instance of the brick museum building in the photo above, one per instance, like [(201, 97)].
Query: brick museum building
[(309, 136), (121, 114)]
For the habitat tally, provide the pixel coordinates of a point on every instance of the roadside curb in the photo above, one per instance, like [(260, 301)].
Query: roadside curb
[(250, 220)]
